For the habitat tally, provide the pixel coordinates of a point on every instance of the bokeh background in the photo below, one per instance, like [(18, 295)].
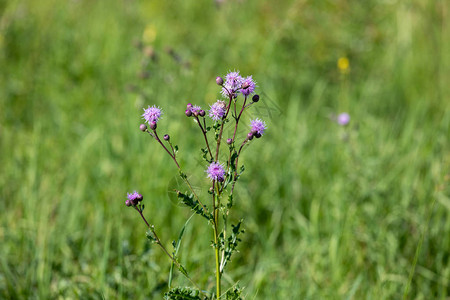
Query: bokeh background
[(331, 212)]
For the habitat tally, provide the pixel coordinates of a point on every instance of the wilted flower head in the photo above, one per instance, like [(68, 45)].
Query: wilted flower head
[(343, 119), (233, 82), (152, 114), (258, 127), (218, 110), (248, 86), (216, 171)]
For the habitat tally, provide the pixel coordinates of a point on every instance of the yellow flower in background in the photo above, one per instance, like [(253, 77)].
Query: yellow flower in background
[(343, 64), (149, 34)]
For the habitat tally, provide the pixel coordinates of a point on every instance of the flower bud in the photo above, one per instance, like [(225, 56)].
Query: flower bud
[(255, 98), (201, 113), (128, 203), (134, 201), (189, 106), (139, 197), (152, 125), (219, 80), (229, 141), (258, 135), (250, 136), (188, 113), (166, 137), (143, 127)]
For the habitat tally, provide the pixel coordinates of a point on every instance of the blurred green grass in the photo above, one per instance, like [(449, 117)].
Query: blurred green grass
[(330, 212)]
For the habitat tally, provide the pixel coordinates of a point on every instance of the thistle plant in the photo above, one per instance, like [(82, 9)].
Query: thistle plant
[(223, 174)]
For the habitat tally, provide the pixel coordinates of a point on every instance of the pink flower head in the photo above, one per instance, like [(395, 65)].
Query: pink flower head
[(216, 172), (218, 110), (133, 198), (248, 86), (233, 82), (152, 114), (258, 127)]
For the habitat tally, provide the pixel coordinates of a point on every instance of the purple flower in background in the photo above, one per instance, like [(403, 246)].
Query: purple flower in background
[(248, 86), (152, 114), (258, 126), (233, 82), (218, 110), (343, 119), (216, 171)]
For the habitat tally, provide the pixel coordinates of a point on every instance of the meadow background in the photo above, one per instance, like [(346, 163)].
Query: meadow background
[(330, 212)]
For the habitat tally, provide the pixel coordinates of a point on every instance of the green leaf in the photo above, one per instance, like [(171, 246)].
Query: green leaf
[(193, 204), (176, 245), (234, 294), (183, 175), (242, 170), (183, 293), (150, 236), (232, 242), (230, 201), (205, 154)]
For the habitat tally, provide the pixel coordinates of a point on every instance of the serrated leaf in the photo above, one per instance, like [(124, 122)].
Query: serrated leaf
[(182, 174), (242, 169), (193, 204), (234, 294), (230, 201), (183, 293), (232, 243)]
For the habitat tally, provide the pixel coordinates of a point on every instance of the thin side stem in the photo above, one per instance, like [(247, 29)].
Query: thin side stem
[(204, 134), (237, 161), (239, 117), (221, 129), (158, 242), (155, 135)]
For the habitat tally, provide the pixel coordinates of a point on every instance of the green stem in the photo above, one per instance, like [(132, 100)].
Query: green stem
[(216, 238), (217, 261), (158, 242)]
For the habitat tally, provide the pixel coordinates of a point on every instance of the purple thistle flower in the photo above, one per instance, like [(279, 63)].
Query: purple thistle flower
[(194, 109), (133, 198), (233, 82), (218, 110), (343, 119), (258, 126), (152, 114), (216, 171), (248, 86)]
